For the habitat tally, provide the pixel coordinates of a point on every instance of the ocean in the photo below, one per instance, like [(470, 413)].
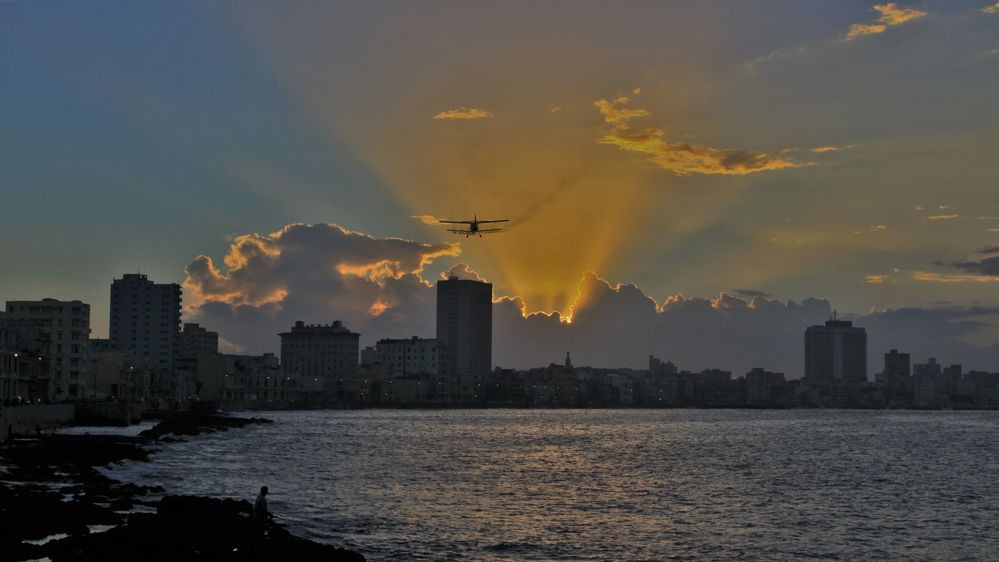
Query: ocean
[(611, 484)]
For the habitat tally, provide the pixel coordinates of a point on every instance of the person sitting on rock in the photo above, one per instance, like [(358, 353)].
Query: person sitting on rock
[(260, 511)]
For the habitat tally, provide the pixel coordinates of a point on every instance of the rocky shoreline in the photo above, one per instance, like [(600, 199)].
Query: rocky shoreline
[(55, 504)]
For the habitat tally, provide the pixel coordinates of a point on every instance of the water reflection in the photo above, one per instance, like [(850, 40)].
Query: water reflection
[(595, 485)]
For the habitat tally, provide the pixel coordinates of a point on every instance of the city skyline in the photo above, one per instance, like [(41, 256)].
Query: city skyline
[(148, 323), (726, 153)]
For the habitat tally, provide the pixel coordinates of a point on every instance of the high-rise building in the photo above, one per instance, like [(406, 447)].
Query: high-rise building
[(896, 364), (145, 323), (465, 326), (835, 352), (65, 329), (324, 353)]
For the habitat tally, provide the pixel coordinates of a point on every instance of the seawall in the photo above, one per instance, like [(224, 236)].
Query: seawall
[(26, 419)]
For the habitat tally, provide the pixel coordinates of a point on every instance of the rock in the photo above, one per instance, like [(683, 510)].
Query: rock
[(183, 527), (195, 528), (195, 424)]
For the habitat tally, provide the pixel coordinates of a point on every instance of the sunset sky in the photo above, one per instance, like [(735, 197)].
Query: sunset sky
[(779, 150)]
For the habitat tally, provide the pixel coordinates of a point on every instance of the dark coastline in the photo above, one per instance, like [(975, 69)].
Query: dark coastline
[(52, 487)]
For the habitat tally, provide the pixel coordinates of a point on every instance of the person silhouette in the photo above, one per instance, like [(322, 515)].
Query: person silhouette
[(260, 512)]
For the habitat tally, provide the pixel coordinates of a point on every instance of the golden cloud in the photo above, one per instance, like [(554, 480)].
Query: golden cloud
[(427, 219), (860, 30), (464, 113), (942, 217), (614, 112), (254, 263), (890, 15), (378, 308), (681, 158), (374, 271), (958, 278), (876, 279), (993, 9), (829, 149)]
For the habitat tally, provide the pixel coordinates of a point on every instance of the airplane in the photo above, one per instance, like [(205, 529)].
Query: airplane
[(473, 226)]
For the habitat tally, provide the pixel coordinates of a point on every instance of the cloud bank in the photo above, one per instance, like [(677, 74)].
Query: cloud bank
[(315, 273), (321, 273)]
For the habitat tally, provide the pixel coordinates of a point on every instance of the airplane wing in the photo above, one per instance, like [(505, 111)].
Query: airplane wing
[(459, 231), (486, 230), (502, 220), (455, 222)]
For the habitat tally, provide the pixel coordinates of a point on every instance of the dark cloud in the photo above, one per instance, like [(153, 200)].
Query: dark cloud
[(987, 266), (753, 293), (989, 250), (946, 333), (461, 271), (314, 273), (320, 273), (620, 326)]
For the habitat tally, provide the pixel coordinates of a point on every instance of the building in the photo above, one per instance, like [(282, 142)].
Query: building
[(623, 389), (896, 364), (764, 388), (716, 388), (24, 367), (115, 374), (952, 378), (64, 328), (194, 345), (194, 339), (659, 367), (145, 324), (930, 388), (260, 378), (369, 355), (411, 356), (238, 379), (835, 353), (895, 379), (327, 353), (465, 326), (981, 389), (416, 356)]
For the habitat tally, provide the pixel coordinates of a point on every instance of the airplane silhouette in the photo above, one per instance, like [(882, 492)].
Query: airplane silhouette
[(473, 226)]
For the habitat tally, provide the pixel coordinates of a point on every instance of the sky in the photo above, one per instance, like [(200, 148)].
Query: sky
[(695, 180)]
